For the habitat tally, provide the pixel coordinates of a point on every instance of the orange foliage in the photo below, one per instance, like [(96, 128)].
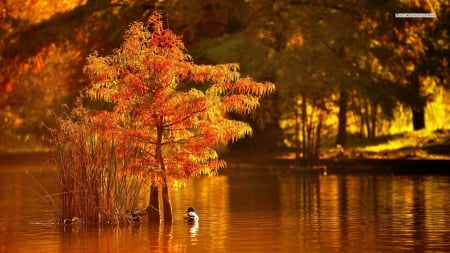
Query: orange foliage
[(172, 122)]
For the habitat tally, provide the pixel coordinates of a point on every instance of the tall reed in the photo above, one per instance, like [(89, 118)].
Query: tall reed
[(91, 162)]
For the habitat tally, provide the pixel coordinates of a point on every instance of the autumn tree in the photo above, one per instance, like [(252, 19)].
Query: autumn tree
[(170, 110)]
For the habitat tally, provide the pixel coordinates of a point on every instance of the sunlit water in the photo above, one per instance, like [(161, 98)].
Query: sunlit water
[(246, 210)]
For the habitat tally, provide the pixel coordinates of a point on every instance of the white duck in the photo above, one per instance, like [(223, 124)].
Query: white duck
[(190, 216)]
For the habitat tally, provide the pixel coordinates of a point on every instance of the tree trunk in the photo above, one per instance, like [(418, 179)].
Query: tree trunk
[(373, 119), (342, 117), (297, 136), (418, 105), (167, 206), (153, 205), (304, 158), (418, 118), (318, 133)]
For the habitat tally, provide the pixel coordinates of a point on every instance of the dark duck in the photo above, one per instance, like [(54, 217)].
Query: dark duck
[(133, 217), (190, 216), (72, 222)]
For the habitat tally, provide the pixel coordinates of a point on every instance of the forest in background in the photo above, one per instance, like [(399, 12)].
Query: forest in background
[(342, 69)]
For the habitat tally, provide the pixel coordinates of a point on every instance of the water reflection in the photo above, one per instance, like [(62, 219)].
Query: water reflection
[(383, 212), (247, 210), (193, 229)]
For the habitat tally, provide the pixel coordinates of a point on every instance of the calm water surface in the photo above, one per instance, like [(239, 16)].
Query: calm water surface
[(246, 210)]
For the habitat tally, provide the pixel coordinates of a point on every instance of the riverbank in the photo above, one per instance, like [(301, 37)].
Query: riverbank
[(343, 165), (24, 158), (419, 152), (280, 164), (25, 145)]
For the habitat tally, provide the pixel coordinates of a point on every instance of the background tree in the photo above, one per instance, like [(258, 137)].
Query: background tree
[(406, 53), (63, 32), (229, 31)]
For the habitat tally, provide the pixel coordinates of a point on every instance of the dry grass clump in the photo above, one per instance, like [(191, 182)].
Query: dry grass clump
[(90, 161)]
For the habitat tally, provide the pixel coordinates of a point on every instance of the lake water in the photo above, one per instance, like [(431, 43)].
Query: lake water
[(245, 210)]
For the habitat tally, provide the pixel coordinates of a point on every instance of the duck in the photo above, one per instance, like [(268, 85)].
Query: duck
[(190, 216), (141, 212), (132, 217), (71, 222)]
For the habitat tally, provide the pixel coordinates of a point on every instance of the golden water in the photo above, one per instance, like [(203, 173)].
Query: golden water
[(246, 210)]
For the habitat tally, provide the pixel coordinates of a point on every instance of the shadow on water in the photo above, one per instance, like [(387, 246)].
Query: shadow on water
[(245, 210)]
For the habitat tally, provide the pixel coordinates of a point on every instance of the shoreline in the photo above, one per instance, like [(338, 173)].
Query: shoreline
[(347, 165), (419, 166), (25, 157)]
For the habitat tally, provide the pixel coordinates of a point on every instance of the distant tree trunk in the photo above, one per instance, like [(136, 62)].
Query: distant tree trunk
[(297, 136), (361, 117), (153, 205), (304, 137), (318, 133), (418, 118), (342, 117), (373, 120), (418, 108), (367, 118)]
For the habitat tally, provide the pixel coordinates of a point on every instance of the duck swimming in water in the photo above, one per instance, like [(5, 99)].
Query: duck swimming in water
[(190, 216), (71, 222), (132, 217)]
